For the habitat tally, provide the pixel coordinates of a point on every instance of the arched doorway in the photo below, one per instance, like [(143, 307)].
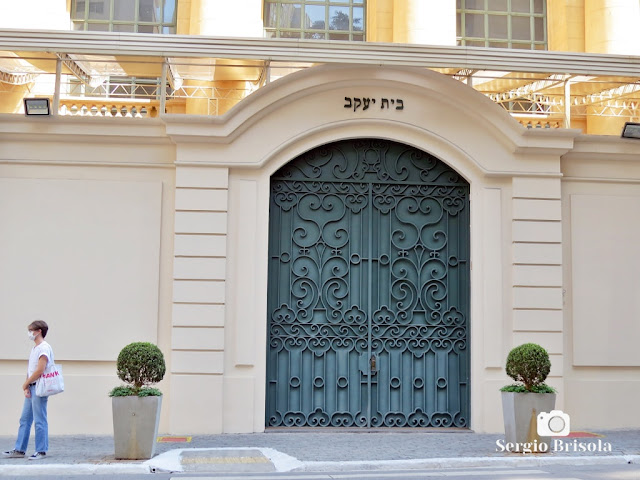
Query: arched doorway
[(368, 289)]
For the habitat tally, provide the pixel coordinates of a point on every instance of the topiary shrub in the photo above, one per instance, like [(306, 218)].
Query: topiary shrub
[(139, 364), (528, 364)]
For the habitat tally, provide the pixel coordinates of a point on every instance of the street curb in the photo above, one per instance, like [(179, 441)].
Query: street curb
[(414, 464), (74, 469), (442, 463)]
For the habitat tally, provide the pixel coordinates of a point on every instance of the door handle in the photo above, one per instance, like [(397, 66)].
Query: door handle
[(368, 365)]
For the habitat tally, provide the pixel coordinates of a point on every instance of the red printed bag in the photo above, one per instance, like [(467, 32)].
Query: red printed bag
[(50, 382)]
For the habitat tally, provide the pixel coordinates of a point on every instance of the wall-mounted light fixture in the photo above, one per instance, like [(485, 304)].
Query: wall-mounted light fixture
[(36, 106), (631, 130)]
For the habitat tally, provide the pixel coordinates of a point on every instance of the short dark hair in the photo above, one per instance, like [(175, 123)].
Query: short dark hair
[(40, 325)]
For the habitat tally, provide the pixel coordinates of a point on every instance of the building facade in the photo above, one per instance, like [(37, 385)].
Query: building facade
[(353, 244)]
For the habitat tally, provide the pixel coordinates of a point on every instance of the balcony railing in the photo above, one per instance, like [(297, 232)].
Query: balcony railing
[(89, 107), (541, 122)]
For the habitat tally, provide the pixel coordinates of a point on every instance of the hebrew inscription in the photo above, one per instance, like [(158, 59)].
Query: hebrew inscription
[(365, 103)]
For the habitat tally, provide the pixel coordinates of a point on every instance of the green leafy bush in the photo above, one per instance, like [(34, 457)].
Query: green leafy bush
[(127, 391), (139, 364), (529, 364), (149, 392), (519, 388), (122, 391)]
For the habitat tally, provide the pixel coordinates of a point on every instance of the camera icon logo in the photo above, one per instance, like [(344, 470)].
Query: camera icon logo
[(555, 423)]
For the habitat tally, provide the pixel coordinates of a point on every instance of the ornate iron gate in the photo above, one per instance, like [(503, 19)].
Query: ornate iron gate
[(368, 296)]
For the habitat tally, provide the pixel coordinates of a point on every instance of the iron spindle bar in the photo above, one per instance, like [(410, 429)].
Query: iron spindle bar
[(352, 301), (369, 293), (446, 249), (423, 396), (300, 375), (457, 282), (324, 396), (288, 378), (360, 292), (467, 273), (287, 354), (392, 212), (289, 221)]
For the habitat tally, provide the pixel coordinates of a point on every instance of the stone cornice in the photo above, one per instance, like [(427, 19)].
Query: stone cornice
[(317, 51)]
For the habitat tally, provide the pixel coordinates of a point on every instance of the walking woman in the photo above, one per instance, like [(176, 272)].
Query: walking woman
[(35, 408)]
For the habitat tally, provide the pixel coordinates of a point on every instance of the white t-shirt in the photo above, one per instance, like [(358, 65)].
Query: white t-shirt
[(39, 350)]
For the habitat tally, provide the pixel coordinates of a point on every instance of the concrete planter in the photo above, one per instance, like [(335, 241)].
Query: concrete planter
[(520, 412), (135, 426)]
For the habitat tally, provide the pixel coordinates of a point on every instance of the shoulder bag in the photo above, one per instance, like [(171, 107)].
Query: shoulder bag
[(51, 381)]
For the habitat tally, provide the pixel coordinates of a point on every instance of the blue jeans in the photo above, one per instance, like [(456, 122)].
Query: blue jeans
[(34, 409)]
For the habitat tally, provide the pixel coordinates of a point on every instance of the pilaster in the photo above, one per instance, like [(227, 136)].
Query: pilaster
[(425, 23), (199, 286), (611, 26), (537, 267)]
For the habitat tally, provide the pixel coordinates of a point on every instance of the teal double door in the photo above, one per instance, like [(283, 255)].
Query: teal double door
[(368, 294)]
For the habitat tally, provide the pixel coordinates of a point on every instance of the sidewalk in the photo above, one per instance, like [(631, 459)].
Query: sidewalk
[(319, 450)]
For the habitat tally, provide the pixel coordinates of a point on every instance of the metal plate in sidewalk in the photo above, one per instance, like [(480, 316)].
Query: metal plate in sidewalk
[(173, 439), (227, 460)]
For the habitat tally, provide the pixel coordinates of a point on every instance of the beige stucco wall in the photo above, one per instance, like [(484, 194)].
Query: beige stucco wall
[(171, 242), (87, 214), (601, 197)]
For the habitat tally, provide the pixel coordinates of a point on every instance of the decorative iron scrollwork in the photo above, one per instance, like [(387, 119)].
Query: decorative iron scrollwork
[(369, 249)]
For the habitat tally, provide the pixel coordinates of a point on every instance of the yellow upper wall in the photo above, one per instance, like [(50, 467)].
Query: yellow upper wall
[(565, 25), (36, 14), (183, 26), (611, 26), (240, 18), (425, 23), (596, 26), (380, 20), (392, 21)]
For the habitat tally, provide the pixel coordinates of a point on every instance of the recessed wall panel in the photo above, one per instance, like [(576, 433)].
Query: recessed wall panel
[(605, 240), (83, 255)]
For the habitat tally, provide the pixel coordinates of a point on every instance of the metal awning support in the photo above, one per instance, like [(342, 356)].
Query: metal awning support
[(531, 89), (567, 102), (76, 69), (17, 79), (175, 81), (163, 87), (548, 77), (611, 94), (56, 93), (267, 72)]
